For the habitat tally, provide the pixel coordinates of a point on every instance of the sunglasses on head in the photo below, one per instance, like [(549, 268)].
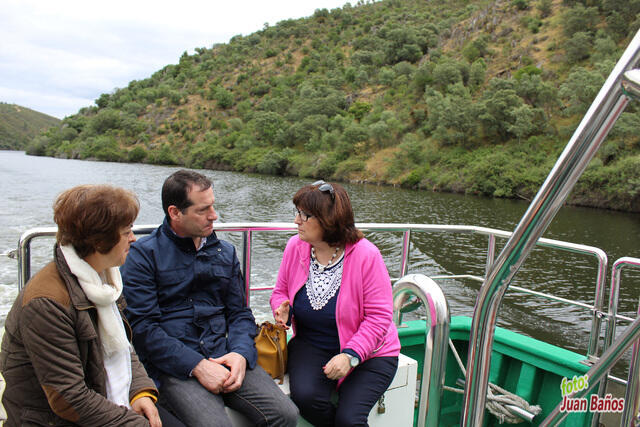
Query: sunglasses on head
[(325, 187)]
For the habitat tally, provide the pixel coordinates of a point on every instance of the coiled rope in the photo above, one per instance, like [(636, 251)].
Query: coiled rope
[(498, 398)]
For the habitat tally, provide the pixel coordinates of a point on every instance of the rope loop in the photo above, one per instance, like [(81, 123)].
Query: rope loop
[(498, 399)]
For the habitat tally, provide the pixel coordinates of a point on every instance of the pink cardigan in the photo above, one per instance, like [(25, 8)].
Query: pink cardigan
[(364, 310)]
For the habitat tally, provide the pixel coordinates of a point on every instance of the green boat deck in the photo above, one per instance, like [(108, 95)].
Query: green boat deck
[(530, 368)]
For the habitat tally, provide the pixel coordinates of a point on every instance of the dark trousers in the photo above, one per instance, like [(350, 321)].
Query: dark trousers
[(311, 390), (259, 399), (167, 418)]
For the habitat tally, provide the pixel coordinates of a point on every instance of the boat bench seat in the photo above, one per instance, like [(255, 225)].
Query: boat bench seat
[(399, 399)]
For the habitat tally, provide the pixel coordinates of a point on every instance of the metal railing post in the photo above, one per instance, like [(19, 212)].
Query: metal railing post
[(24, 264), (596, 325), (24, 252), (632, 395), (436, 340), (596, 321), (491, 253), (406, 242), (246, 263)]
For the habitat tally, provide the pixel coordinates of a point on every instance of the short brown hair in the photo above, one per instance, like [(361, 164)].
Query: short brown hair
[(90, 217), (333, 212), (176, 188)]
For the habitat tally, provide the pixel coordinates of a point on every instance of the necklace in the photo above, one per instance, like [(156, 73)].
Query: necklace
[(321, 267)]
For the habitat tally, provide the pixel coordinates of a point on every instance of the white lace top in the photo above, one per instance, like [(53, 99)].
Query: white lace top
[(323, 281)]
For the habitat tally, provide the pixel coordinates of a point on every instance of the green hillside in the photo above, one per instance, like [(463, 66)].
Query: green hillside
[(19, 125), (445, 95)]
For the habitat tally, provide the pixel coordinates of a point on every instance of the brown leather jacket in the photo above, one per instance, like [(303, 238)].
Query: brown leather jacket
[(51, 357)]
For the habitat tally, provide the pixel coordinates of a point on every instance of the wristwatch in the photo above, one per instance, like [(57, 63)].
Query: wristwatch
[(353, 361)]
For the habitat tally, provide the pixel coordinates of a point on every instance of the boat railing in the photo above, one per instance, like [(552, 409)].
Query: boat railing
[(248, 231), (622, 83), (598, 373), (630, 415), (436, 339)]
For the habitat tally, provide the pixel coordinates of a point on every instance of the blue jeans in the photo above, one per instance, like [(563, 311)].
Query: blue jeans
[(259, 399), (311, 389)]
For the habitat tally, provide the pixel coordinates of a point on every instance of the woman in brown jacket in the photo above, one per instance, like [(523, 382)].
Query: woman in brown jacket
[(66, 357)]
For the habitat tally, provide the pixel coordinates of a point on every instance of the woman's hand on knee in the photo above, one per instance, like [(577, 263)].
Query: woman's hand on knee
[(144, 406), (337, 367)]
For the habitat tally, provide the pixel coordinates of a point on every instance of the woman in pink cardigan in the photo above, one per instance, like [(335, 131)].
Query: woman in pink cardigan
[(334, 288)]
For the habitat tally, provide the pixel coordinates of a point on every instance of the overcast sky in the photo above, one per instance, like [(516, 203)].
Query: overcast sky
[(59, 56)]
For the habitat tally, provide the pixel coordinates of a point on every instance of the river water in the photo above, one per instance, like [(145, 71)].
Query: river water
[(32, 183)]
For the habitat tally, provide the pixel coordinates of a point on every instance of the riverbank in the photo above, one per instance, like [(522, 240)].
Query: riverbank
[(502, 171)]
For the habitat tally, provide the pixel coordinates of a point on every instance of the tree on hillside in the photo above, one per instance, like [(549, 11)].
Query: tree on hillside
[(499, 106), (451, 117), (578, 47), (477, 73), (579, 90), (105, 120), (523, 124), (446, 73), (266, 125), (579, 18), (477, 48), (534, 91), (402, 44)]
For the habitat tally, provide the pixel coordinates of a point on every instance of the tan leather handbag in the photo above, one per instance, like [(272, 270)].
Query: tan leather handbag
[(271, 343)]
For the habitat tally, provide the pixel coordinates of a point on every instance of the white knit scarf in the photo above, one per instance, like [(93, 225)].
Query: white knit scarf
[(104, 296)]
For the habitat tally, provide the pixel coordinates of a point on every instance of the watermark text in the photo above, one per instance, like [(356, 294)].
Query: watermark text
[(595, 403)]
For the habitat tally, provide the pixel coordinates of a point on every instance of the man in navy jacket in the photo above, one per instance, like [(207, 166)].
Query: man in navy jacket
[(187, 308)]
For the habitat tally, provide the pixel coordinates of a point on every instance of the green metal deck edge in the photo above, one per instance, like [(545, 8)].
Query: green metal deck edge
[(529, 350)]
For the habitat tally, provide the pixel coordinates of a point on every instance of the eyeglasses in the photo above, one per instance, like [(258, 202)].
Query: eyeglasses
[(303, 215), (324, 187)]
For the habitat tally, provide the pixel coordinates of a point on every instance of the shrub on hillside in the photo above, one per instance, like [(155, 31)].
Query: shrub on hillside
[(520, 4), (578, 47), (273, 163), (136, 155)]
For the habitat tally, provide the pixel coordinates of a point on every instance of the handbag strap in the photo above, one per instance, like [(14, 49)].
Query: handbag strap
[(280, 358)]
